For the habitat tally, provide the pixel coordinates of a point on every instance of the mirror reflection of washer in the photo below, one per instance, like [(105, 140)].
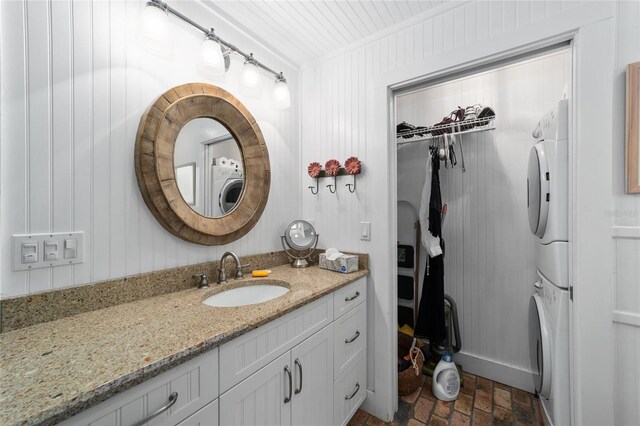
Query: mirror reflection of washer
[(228, 181)]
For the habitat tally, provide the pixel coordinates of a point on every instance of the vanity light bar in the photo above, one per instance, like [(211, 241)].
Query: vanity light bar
[(209, 33)]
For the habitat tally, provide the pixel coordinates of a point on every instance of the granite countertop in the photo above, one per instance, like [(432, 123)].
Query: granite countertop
[(54, 370)]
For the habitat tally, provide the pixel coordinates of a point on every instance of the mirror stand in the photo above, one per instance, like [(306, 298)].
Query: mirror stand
[(299, 261)]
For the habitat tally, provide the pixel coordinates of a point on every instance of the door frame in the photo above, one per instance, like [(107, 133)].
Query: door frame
[(590, 30)]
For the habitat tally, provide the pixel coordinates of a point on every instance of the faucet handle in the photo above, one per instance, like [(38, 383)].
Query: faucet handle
[(239, 270), (204, 282)]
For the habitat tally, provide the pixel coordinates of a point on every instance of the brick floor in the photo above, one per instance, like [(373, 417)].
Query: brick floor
[(481, 402)]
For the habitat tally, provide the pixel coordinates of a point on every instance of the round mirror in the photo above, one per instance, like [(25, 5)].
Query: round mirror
[(300, 236), (202, 164), (208, 167)]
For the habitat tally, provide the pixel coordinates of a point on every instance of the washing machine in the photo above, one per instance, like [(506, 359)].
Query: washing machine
[(547, 194), (549, 349), (547, 203), (227, 183)]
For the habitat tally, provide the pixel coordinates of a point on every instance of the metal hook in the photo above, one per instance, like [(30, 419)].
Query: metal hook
[(350, 185), (311, 188), (333, 186)]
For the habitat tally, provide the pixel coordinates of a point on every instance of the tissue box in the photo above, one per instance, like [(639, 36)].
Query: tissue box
[(345, 264)]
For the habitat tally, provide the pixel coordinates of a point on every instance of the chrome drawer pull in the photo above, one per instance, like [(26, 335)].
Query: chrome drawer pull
[(349, 299), (348, 397), (287, 399), (172, 400), (299, 364), (353, 338)]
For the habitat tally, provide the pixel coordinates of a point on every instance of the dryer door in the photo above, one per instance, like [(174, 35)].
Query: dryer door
[(230, 194), (538, 190), (539, 347)]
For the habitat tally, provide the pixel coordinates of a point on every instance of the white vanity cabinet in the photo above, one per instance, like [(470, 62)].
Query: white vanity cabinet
[(307, 367)]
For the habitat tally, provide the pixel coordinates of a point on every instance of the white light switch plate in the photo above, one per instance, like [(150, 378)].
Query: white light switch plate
[(51, 250), (365, 231)]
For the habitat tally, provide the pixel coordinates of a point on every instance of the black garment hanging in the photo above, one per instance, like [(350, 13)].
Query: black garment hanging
[(431, 320)]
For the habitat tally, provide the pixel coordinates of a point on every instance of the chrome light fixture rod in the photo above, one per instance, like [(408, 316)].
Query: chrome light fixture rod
[(210, 34)]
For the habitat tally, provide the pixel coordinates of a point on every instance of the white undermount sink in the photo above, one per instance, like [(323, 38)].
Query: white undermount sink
[(247, 295)]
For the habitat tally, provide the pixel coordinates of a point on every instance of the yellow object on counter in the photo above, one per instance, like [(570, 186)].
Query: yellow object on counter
[(260, 273)]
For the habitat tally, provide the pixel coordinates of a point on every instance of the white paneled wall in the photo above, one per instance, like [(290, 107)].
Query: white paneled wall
[(626, 212), (489, 264), (74, 85)]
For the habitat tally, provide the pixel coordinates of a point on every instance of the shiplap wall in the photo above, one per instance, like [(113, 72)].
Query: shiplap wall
[(337, 121), (626, 213), (490, 262), (74, 85)]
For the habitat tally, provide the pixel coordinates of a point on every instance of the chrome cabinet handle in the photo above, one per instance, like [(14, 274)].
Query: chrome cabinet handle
[(353, 338), (348, 397), (172, 400), (287, 399), (349, 299), (299, 364)]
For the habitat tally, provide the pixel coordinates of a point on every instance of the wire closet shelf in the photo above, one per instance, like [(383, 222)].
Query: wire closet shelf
[(455, 128)]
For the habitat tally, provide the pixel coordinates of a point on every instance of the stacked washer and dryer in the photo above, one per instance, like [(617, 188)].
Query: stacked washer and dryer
[(547, 187)]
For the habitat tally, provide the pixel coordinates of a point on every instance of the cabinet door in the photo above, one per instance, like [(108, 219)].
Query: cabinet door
[(313, 380), (260, 398)]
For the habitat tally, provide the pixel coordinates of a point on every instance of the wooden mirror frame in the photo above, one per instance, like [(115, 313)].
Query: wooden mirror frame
[(155, 143)]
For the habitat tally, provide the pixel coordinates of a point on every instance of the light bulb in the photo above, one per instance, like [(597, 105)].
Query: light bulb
[(251, 79), (281, 95), (154, 30), (212, 59)]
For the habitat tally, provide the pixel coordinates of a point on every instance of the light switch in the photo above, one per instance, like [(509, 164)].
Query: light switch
[(70, 248), (365, 231), (34, 251), (29, 252), (50, 250)]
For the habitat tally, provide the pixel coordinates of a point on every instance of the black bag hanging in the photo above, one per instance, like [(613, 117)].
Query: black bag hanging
[(431, 319)]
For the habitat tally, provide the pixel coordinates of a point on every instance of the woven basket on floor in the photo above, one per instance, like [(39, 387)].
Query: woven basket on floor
[(408, 381)]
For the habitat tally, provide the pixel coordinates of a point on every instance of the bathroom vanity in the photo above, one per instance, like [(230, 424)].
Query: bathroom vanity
[(297, 359)]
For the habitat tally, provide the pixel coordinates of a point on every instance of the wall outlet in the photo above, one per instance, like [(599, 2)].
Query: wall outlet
[(33, 251)]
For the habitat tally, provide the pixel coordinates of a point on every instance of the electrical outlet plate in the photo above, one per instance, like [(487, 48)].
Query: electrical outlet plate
[(53, 247)]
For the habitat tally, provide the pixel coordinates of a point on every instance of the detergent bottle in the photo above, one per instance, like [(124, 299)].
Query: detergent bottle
[(446, 379)]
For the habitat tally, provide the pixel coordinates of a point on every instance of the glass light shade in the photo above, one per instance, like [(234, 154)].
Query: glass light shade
[(212, 59), (251, 79), (281, 95), (153, 31)]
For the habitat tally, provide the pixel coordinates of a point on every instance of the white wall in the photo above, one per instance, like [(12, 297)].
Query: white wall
[(626, 220), (74, 85), (489, 263), (338, 120)]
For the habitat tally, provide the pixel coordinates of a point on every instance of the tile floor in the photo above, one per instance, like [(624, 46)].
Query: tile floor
[(481, 402)]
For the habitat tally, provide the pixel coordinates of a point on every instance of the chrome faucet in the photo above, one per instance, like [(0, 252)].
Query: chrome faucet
[(222, 276)]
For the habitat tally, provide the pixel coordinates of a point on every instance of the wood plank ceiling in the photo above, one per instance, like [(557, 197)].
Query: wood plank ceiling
[(304, 30)]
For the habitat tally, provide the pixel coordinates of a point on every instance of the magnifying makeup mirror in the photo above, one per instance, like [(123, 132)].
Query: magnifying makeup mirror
[(301, 237)]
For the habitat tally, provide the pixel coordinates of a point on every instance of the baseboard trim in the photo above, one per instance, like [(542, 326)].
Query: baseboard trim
[(508, 374)]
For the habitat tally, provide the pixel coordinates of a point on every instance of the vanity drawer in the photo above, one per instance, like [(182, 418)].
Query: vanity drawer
[(195, 383), (348, 297), (350, 338), (206, 416), (350, 390), (246, 354)]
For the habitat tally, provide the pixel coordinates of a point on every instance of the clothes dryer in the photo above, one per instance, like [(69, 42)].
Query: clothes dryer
[(547, 194)]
